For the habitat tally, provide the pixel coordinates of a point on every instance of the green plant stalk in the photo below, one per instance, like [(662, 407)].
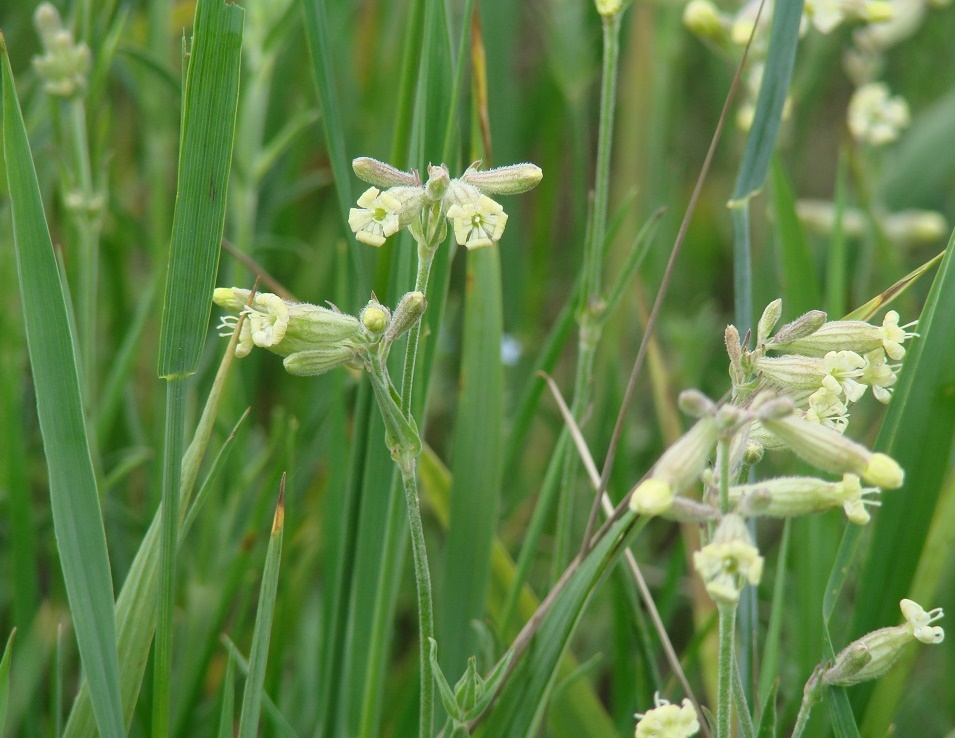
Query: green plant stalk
[(78, 184), (592, 308), (401, 437), (427, 248), (169, 538), (727, 618)]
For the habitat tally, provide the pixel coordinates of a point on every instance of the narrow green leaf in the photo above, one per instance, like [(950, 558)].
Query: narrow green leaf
[(521, 706), (767, 722), (918, 432), (783, 40), (800, 286), (258, 657), (205, 157), (5, 680), (476, 466), (77, 519), (227, 713)]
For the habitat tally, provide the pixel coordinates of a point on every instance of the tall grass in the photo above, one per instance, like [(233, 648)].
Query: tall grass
[(201, 622)]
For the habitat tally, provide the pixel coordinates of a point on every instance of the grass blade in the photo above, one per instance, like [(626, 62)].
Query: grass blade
[(205, 156), (783, 39), (77, 519), (476, 467), (258, 658), (227, 713), (5, 680)]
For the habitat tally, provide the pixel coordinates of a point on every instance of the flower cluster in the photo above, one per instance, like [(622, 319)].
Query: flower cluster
[(667, 721), (822, 366), (796, 398), (398, 199), (312, 339), (65, 64)]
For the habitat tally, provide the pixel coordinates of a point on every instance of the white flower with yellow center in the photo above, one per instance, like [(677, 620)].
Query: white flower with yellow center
[(842, 370), (667, 721), (879, 375), (729, 561), (376, 217), (478, 223)]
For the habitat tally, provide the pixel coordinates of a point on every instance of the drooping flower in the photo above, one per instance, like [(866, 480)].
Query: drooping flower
[(785, 497), (872, 655), (729, 561)]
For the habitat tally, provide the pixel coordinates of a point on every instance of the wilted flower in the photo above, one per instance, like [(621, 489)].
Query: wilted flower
[(786, 497)]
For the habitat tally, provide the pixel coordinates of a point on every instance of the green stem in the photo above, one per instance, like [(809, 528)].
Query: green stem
[(727, 614), (425, 606), (723, 461), (426, 252), (83, 211), (169, 535), (591, 309)]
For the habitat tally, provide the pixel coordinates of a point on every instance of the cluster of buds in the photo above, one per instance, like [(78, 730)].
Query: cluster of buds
[(64, 64), (313, 339), (822, 366), (666, 720), (398, 199)]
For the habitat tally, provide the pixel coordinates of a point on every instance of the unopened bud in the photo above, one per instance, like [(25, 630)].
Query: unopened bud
[(318, 361), (408, 312), (438, 182), (509, 180), (703, 19), (695, 403), (768, 320), (374, 317), (383, 175), (804, 325)]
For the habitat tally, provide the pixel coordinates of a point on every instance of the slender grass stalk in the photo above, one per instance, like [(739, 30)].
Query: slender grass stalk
[(591, 311), (169, 537)]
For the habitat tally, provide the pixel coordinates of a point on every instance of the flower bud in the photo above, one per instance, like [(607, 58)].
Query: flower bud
[(729, 561), (768, 320), (408, 312), (375, 317), (872, 655), (678, 468), (804, 325), (383, 175), (438, 183), (509, 180), (318, 361), (695, 403), (827, 449)]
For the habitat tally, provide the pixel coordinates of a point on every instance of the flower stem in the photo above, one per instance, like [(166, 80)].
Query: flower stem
[(727, 614), (423, 583)]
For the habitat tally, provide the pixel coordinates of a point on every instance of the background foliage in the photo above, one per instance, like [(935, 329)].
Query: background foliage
[(322, 83)]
